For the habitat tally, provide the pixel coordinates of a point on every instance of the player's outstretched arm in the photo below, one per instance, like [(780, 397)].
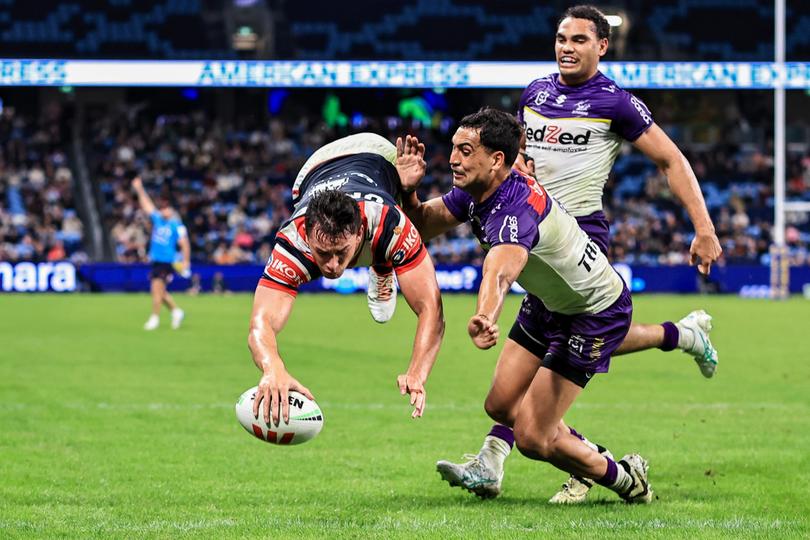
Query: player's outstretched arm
[(421, 291), (656, 145), (271, 309), (144, 200), (502, 266), (432, 218)]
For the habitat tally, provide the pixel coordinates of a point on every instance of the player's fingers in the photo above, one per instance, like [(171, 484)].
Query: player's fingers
[(400, 146), (304, 390), (267, 405), (692, 258), (274, 402), (705, 268), (421, 149), (256, 401), (402, 384), (285, 404), (420, 403)]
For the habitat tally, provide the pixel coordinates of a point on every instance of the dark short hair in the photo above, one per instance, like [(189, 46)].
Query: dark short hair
[(499, 131), (334, 213), (592, 14)]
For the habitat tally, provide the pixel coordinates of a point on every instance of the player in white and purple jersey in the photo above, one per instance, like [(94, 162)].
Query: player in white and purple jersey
[(345, 216), (575, 122), (550, 356)]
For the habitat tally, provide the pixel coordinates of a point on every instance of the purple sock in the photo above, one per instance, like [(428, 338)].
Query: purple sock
[(610, 475), (575, 434), (504, 433), (671, 335)]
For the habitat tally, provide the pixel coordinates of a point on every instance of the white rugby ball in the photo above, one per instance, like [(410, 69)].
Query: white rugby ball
[(306, 419)]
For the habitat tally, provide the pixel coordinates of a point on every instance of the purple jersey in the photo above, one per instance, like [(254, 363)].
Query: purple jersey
[(574, 133), (565, 269)]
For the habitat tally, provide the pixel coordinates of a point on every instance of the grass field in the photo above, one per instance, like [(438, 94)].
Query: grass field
[(110, 431)]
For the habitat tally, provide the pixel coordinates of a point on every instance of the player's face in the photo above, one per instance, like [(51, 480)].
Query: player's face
[(578, 50), (333, 255), (473, 165)]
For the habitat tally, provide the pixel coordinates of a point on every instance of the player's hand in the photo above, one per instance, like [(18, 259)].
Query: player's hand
[(183, 268), (704, 251), (413, 386), (526, 166), (483, 332), (137, 183), (411, 164), (274, 394)]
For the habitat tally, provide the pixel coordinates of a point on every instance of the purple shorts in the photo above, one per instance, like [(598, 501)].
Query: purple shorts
[(583, 342), (597, 227)]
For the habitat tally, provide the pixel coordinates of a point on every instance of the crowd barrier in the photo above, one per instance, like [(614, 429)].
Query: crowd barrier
[(748, 280)]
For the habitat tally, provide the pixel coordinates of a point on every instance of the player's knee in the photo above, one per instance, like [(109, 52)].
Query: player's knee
[(499, 410), (534, 444)]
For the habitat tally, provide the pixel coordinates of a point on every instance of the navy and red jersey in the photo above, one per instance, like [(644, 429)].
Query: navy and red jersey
[(389, 237)]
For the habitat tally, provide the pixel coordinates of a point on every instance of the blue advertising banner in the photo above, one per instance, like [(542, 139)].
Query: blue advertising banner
[(26, 277), (112, 277)]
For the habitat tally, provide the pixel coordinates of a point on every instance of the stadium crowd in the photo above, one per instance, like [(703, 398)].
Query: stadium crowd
[(38, 218), (231, 182)]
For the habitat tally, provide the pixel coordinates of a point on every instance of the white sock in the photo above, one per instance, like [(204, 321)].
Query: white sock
[(153, 318), (177, 311), (624, 482), (590, 444), (495, 451), (686, 337)]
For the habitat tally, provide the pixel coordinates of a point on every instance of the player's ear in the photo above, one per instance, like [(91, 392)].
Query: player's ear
[(603, 46), (498, 159)]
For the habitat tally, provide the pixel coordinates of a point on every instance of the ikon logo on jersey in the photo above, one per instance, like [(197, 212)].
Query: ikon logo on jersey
[(552, 134), (407, 246), (279, 269)]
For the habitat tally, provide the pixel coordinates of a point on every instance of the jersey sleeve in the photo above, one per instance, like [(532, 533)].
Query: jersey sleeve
[(513, 224), (287, 268), (632, 117), (458, 203), (182, 232), (524, 99)]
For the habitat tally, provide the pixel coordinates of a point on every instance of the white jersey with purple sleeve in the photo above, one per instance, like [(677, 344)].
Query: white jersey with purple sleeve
[(574, 133), (565, 269)]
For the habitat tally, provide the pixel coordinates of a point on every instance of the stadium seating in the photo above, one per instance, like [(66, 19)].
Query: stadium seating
[(425, 29), (38, 218)]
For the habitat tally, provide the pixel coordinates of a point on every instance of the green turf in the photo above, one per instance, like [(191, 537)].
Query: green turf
[(110, 431)]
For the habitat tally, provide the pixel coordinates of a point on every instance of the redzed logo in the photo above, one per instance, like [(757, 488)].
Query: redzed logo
[(555, 135)]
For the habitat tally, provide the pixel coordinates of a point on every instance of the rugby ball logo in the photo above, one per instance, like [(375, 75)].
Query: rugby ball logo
[(306, 420)]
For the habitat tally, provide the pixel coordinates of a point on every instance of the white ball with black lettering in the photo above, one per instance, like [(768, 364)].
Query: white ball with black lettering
[(306, 419)]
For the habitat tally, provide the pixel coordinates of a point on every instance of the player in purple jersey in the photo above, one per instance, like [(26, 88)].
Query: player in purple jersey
[(549, 357), (575, 122)]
